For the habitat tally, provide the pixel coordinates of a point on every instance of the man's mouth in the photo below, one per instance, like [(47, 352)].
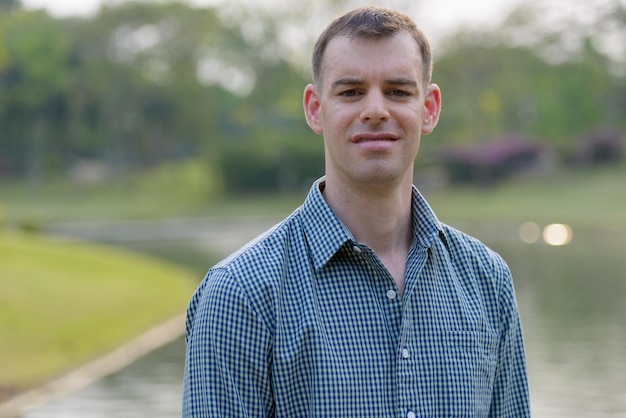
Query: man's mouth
[(358, 139)]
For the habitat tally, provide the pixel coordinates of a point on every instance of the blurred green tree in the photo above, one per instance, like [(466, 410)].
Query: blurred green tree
[(9, 5), (141, 83), (35, 51)]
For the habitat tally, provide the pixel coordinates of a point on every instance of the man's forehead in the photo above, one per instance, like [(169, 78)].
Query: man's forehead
[(351, 40), (400, 45), (349, 58)]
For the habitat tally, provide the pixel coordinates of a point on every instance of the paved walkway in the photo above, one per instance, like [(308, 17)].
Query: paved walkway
[(97, 369), (220, 235)]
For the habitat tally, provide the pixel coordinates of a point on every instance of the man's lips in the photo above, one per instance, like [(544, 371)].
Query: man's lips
[(361, 138)]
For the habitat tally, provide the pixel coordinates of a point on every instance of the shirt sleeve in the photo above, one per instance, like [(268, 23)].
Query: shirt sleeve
[(228, 358), (510, 392)]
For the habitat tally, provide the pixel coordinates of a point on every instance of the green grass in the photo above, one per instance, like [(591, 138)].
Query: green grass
[(582, 196), (585, 197), (185, 189), (62, 303)]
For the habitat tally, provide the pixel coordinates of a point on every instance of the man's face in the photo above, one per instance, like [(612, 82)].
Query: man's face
[(371, 107)]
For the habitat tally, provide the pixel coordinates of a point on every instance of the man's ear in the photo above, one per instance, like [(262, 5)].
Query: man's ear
[(432, 108), (312, 109)]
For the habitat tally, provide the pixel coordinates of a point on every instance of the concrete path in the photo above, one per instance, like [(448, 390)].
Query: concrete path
[(97, 369), (221, 235)]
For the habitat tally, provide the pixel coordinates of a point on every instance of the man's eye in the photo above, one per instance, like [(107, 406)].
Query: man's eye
[(349, 93), (399, 93)]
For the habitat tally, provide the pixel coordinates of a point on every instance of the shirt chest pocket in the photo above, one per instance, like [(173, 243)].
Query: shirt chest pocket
[(471, 359)]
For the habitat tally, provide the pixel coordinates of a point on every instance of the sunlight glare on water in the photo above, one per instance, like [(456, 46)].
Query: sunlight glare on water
[(557, 234), (529, 232)]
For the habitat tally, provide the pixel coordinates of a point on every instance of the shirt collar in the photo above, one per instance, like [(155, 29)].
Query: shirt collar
[(326, 234), (426, 226)]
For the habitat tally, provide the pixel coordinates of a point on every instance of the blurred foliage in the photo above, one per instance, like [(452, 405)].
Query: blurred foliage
[(30, 222), (141, 84), (488, 163), (601, 146)]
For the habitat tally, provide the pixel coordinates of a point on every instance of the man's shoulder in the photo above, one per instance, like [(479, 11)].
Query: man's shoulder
[(268, 251), (255, 272), (467, 247)]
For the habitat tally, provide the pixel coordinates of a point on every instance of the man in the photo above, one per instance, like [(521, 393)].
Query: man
[(360, 303)]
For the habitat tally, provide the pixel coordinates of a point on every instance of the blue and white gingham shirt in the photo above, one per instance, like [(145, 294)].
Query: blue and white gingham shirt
[(307, 322)]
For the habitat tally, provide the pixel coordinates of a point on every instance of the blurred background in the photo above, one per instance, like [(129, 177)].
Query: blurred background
[(140, 142)]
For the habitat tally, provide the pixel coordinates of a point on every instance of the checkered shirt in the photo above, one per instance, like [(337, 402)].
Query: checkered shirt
[(306, 322)]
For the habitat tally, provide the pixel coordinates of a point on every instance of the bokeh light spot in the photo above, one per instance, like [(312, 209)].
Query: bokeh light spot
[(529, 232), (557, 234)]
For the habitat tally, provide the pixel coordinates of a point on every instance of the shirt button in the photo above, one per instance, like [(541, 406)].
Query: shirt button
[(411, 414), (391, 294), (405, 353), (356, 249)]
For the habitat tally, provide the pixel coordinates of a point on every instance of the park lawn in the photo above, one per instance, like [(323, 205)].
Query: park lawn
[(64, 303), (586, 197), (184, 189), (583, 196)]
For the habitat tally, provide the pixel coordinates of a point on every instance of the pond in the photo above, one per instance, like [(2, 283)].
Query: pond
[(571, 300)]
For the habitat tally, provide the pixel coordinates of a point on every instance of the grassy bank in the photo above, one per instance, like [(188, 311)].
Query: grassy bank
[(63, 303), (581, 196), (165, 192)]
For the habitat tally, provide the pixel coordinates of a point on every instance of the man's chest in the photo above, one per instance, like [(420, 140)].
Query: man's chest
[(350, 342)]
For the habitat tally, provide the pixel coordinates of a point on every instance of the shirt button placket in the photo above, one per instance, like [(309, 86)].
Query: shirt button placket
[(405, 353)]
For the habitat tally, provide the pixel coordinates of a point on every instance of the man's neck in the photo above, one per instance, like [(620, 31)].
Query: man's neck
[(379, 217)]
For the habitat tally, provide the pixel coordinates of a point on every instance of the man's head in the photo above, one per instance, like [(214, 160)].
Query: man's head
[(372, 98), (371, 22)]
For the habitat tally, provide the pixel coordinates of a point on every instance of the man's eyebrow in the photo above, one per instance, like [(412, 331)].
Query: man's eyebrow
[(348, 81), (402, 82)]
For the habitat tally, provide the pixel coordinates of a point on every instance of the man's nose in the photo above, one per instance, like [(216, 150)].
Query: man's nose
[(374, 108)]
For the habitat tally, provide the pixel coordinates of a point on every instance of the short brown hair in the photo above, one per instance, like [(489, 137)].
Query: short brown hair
[(373, 22)]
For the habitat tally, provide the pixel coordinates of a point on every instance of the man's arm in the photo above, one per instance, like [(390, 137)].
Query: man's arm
[(227, 364), (510, 392)]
